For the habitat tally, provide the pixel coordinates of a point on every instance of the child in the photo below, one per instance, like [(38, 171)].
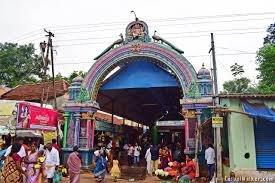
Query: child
[(39, 165), (115, 171)]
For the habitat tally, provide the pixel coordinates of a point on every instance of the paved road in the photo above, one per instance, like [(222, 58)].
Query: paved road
[(88, 178)]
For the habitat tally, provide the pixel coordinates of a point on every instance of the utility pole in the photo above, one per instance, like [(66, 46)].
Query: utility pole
[(43, 46), (216, 101), (50, 45)]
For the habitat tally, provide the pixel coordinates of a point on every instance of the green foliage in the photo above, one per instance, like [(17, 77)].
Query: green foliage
[(69, 79), (238, 85), (270, 38), (57, 77), (266, 62), (19, 64), (75, 74)]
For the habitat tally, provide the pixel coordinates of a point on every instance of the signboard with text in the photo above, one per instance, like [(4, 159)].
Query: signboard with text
[(217, 122)]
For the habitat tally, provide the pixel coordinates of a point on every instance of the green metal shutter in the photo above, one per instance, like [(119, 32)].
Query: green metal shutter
[(265, 144)]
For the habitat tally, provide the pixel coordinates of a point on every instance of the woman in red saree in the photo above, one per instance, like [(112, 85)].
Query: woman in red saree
[(189, 171), (12, 170), (74, 164)]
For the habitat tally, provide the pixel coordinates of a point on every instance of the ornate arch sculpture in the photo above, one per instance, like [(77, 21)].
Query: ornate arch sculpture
[(160, 54)]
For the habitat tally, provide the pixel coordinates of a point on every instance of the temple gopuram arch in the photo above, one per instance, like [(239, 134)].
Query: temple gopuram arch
[(147, 69)]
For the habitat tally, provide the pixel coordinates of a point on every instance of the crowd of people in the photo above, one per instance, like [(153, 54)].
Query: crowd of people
[(156, 157), (37, 162), (32, 163)]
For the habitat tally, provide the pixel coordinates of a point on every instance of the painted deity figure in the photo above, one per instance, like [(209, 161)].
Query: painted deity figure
[(137, 31)]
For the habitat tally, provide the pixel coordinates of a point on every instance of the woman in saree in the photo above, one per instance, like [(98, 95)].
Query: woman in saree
[(101, 166), (164, 158), (189, 171), (33, 174), (12, 170), (74, 164)]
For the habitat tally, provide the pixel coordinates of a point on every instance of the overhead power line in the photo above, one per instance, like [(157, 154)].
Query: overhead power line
[(171, 33), (191, 36), (232, 49), (26, 35), (196, 31), (112, 37), (104, 24), (171, 19), (166, 24)]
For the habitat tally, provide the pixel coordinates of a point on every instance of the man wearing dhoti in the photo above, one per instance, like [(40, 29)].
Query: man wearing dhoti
[(51, 162)]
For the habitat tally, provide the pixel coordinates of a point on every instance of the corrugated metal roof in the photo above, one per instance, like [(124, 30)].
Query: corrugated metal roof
[(241, 95)]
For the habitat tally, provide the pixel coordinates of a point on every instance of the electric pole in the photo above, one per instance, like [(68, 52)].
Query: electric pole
[(50, 46), (43, 46), (216, 101)]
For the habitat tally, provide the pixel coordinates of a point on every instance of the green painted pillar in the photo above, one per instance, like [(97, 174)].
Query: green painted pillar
[(66, 116), (155, 135)]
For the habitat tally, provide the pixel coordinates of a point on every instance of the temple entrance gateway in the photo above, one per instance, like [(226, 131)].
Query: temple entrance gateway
[(152, 81)]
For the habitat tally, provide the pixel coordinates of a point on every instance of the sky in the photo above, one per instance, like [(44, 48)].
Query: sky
[(84, 28)]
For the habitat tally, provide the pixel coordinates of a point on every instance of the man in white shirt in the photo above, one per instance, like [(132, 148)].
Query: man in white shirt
[(148, 159), (137, 150), (52, 161), (210, 158)]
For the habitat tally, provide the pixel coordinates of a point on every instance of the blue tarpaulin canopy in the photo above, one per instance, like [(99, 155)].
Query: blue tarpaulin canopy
[(259, 110), (141, 74), (141, 91)]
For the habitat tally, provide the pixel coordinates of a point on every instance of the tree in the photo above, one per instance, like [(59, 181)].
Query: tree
[(75, 74), (237, 69), (57, 77), (69, 79), (19, 64), (266, 61), (270, 38), (239, 84)]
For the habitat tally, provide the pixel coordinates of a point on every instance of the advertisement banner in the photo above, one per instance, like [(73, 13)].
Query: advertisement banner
[(6, 110), (30, 116)]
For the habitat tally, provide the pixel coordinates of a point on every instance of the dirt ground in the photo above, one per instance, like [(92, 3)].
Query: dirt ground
[(88, 178)]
